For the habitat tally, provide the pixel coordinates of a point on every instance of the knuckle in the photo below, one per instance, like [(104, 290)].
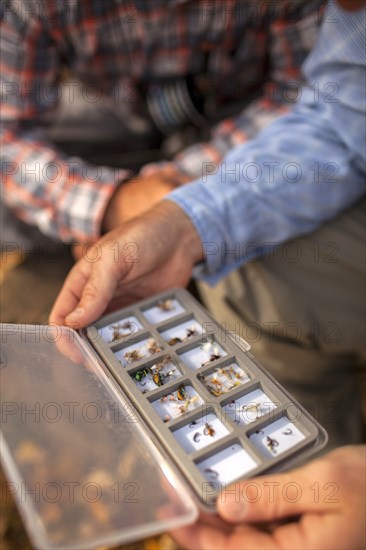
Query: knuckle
[(330, 470), (90, 291)]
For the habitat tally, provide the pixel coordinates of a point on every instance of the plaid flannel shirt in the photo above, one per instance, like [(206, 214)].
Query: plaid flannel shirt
[(113, 46)]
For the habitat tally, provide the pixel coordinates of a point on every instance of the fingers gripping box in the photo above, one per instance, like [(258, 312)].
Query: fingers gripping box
[(129, 428)]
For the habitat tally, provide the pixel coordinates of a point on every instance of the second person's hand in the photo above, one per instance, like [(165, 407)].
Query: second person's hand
[(138, 195)]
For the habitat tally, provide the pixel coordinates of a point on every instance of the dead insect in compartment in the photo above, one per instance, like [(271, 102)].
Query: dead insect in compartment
[(165, 305), (140, 374), (196, 437), (212, 473), (208, 430), (271, 444), (288, 431), (182, 393), (132, 356), (152, 346)]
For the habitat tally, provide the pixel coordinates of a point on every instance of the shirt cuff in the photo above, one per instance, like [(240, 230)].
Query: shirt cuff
[(81, 214), (198, 160), (189, 198)]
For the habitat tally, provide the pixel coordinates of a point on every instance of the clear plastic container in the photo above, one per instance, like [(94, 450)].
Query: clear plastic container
[(83, 467), (127, 430)]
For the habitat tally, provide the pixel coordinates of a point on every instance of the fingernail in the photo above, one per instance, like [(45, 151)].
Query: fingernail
[(233, 506), (78, 312)]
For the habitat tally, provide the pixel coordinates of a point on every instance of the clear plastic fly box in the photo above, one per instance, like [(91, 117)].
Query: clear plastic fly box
[(131, 427)]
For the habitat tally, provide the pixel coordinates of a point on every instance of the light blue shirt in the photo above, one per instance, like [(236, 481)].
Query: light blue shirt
[(302, 170)]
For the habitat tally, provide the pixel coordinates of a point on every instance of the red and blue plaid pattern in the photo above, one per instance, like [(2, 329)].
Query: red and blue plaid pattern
[(116, 47)]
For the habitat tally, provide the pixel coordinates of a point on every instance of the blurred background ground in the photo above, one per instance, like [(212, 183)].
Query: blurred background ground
[(29, 283)]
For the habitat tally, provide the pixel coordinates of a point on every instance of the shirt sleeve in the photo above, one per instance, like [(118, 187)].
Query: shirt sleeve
[(301, 171), (65, 197), (292, 31)]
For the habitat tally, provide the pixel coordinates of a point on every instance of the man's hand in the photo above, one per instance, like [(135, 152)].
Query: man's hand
[(136, 196), (318, 506), (148, 254)]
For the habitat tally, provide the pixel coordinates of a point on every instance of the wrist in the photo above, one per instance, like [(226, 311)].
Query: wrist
[(113, 211)]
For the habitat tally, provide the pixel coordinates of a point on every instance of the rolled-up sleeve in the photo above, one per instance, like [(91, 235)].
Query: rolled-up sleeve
[(301, 171)]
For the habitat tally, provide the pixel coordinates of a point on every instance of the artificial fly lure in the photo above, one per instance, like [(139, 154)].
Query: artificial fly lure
[(208, 430), (174, 341), (165, 305), (212, 351), (152, 346), (132, 356), (127, 327), (140, 374), (184, 408), (158, 377), (252, 407), (177, 340), (182, 393), (271, 444)]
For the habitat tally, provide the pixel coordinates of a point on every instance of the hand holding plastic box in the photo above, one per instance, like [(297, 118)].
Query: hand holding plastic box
[(163, 366)]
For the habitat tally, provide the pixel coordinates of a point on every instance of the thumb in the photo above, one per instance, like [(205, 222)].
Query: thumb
[(86, 292), (95, 296), (275, 497)]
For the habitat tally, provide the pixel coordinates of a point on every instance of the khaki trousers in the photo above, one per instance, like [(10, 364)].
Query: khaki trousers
[(302, 309)]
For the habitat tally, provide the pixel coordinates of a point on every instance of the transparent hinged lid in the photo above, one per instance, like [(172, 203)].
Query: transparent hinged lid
[(84, 469)]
